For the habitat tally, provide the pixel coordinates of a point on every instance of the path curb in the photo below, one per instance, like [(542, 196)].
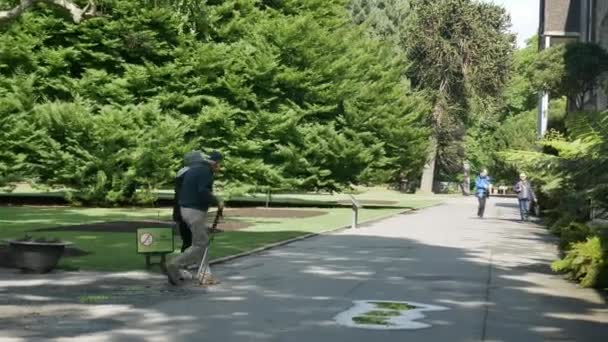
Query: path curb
[(309, 236)]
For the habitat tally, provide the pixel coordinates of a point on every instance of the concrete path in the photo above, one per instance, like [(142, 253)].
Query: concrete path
[(492, 275)]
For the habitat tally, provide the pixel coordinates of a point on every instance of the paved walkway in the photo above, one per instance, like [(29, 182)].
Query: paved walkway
[(493, 276)]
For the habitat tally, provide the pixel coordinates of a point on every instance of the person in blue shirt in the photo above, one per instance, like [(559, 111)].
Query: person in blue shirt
[(482, 191)]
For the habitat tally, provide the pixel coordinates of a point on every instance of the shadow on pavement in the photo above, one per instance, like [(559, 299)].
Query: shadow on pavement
[(293, 293), (513, 204)]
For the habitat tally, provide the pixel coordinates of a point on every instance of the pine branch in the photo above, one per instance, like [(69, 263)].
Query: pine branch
[(78, 14)]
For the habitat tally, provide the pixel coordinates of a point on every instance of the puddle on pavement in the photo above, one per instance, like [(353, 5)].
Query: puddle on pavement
[(386, 315)]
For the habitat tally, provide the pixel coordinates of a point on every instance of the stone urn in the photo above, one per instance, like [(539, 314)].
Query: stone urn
[(36, 255)]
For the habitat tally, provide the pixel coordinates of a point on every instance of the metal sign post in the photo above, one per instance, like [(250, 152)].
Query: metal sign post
[(356, 207)]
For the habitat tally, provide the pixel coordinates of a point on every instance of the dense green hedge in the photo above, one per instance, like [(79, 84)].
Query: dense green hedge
[(293, 93), (586, 262)]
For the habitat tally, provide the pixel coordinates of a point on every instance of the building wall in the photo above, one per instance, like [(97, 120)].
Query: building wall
[(601, 37), (601, 22), (564, 21), (562, 17)]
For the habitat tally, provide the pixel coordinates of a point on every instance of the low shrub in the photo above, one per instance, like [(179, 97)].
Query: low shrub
[(573, 233), (585, 262), (557, 224), (28, 238)]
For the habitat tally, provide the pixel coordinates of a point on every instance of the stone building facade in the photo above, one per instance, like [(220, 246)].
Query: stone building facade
[(564, 21)]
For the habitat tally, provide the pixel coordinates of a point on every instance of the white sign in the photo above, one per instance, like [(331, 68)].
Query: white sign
[(146, 239)]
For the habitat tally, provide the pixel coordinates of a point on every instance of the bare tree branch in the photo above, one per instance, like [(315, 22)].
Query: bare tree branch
[(76, 12), (15, 12)]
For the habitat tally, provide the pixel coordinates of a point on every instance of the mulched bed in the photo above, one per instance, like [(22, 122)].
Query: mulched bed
[(272, 213), (225, 224)]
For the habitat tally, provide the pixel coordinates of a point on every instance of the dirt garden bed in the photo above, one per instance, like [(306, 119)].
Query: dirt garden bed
[(272, 213), (225, 224)]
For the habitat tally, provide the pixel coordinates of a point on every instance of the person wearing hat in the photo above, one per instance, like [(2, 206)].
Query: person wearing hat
[(525, 196), (194, 199)]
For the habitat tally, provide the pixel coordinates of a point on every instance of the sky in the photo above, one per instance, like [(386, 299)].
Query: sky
[(524, 17)]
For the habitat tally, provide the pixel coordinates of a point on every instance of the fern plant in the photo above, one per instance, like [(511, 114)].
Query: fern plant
[(585, 262), (571, 169)]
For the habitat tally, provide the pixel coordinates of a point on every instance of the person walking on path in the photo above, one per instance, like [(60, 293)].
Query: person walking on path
[(482, 191), (195, 197), (525, 196), (184, 231)]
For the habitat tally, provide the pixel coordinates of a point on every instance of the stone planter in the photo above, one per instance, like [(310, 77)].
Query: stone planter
[(36, 256)]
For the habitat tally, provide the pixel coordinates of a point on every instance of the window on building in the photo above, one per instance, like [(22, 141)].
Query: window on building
[(563, 40)]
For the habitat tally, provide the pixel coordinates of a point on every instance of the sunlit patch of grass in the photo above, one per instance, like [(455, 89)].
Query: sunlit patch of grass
[(371, 320), (383, 313), (93, 299), (393, 306)]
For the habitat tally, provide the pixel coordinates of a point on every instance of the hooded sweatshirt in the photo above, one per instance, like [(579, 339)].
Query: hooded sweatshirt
[(190, 159), (196, 190)]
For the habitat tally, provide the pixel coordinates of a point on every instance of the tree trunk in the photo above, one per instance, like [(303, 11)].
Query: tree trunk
[(428, 174), (466, 184)]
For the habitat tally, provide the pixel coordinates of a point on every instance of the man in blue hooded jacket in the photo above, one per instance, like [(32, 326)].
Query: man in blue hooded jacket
[(482, 191)]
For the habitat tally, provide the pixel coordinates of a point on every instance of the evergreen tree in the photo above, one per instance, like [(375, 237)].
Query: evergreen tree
[(571, 70), (384, 18), (460, 51), (293, 93)]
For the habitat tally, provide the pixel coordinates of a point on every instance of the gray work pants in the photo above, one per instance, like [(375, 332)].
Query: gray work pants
[(193, 255), (524, 208)]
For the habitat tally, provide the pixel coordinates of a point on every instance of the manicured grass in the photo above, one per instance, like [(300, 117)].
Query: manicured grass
[(362, 194), (371, 320), (24, 218), (381, 316), (93, 299), (111, 251), (308, 199)]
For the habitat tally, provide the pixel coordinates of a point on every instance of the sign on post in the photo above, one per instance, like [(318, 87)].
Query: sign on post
[(356, 207), (155, 240)]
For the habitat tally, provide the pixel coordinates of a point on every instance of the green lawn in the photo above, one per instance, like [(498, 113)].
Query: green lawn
[(112, 251), (398, 199), (308, 199)]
